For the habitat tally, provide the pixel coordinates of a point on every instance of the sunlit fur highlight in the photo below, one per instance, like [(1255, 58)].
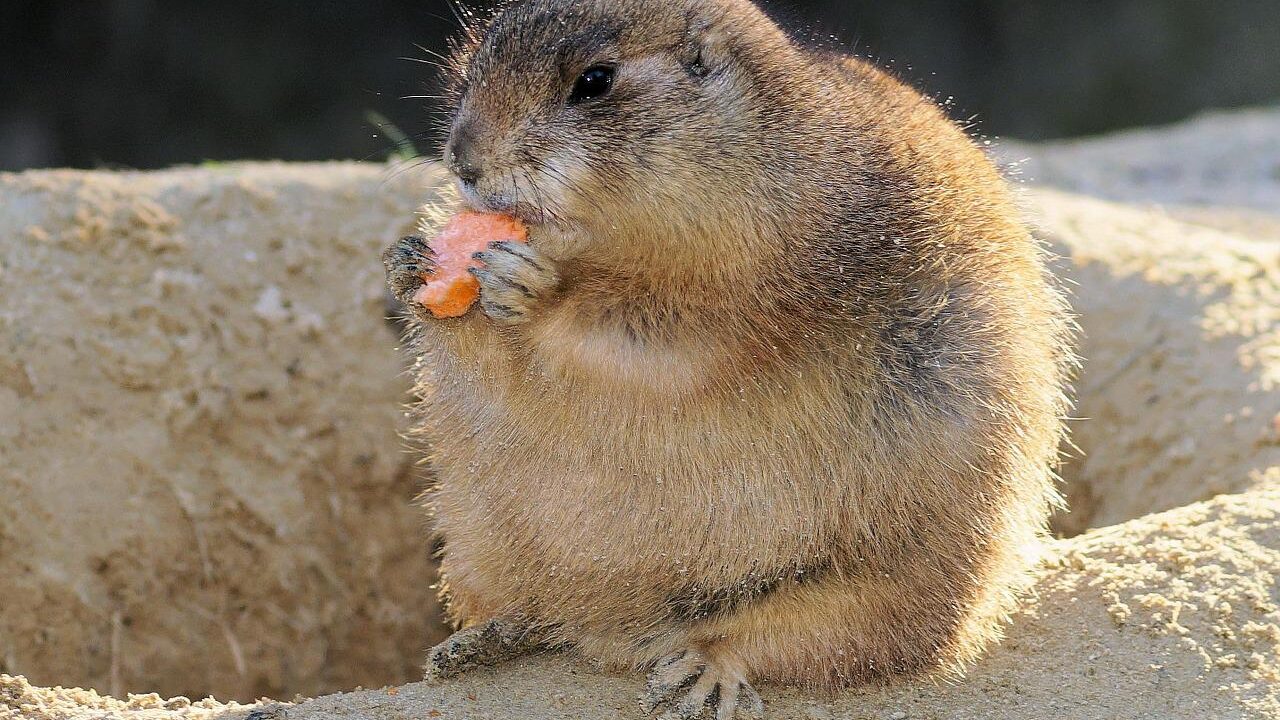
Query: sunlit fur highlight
[(805, 357)]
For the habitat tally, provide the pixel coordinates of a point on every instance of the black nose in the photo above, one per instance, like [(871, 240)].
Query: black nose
[(461, 159)]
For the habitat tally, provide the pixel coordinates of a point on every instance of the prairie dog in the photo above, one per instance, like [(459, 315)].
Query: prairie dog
[(775, 392)]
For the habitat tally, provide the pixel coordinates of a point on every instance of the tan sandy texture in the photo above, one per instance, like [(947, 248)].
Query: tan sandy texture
[(202, 489), (1180, 398), (1179, 306), (1174, 616), (1221, 169), (19, 700), (1168, 616)]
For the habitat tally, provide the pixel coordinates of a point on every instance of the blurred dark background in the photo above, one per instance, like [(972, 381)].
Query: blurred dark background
[(150, 83)]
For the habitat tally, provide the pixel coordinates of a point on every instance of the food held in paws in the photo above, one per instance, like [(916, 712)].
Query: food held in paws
[(450, 288)]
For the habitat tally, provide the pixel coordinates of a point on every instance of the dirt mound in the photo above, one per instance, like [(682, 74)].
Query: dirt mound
[(204, 490), (1221, 169), (1173, 616), (1180, 397)]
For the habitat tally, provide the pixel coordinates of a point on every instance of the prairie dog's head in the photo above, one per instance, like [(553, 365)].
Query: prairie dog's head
[(582, 117)]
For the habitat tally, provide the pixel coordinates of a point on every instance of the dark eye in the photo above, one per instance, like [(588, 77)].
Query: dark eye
[(595, 82)]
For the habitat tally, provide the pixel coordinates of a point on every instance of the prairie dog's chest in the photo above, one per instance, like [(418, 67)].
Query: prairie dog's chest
[(587, 386), (605, 438), (580, 485), (578, 461)]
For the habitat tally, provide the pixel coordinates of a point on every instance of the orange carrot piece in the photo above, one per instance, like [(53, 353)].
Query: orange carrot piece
[(451, 290)]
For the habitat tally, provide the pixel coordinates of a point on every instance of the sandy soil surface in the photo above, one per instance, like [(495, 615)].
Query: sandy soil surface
[(204, 489), (1221, 169), (1168, 608), (1170, 617), (1180, 397), (1178, 305)]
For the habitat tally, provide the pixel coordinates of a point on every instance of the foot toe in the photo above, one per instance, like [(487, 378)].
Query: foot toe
[(522, 265), (515, 278), (704, 694), (726, 704), (446, 659), (407, 263), (671, 675), (750, 704), (692, 686)]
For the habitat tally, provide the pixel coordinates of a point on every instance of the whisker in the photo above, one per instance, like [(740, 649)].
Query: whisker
[(556, 175), (399, 171), (537, 194), (432, 63), (444, 58), (445, 19), (460, 13)]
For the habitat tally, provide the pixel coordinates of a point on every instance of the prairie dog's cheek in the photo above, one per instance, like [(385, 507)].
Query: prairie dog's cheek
[(565, 175), (561, 244)]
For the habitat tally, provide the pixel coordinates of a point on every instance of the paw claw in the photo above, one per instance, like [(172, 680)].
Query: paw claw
[(704, 688), (406, 263), (513, 280)]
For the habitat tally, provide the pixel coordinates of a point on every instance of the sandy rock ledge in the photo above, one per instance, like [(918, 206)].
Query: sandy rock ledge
[(1171, 616), (203, 486)]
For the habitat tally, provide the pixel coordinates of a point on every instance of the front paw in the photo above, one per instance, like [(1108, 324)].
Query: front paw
[(515, 278), (694, 686), (409, 263)]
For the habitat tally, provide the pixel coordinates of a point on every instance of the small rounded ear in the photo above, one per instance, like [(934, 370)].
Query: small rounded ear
[(707, 46)]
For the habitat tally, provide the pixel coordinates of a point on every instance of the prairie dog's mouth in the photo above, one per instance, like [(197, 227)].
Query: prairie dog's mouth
[(487, 201)]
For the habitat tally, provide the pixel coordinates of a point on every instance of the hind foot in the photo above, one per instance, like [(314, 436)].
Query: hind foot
[(485, 644), (692, 686)]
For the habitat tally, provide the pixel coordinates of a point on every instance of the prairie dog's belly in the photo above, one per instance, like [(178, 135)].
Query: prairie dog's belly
[(560, 496)]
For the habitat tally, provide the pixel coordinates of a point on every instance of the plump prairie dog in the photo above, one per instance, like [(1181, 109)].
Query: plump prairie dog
[(775, 391)]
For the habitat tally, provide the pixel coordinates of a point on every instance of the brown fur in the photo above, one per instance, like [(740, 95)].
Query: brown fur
[(794, 400)]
